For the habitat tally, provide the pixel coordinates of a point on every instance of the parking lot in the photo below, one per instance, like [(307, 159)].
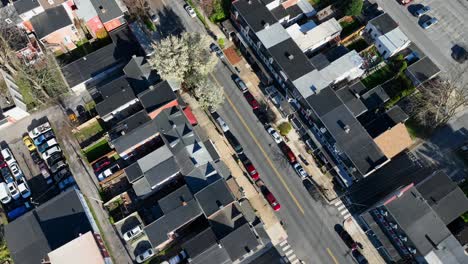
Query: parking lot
[(438, 40)]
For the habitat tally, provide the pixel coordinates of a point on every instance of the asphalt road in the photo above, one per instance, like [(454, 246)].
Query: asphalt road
[(437, 41), (309, 223)]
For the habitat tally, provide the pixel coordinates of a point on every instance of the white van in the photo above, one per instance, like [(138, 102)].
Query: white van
[(8, 156), (5, 196)]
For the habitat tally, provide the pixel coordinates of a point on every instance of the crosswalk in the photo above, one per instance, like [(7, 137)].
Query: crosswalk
[(342, 209), (289, 252)]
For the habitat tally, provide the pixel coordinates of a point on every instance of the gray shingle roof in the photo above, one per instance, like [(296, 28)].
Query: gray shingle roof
[(375, 97), (255, 13), (157, 96), (139, 134), (23, 6), (175, 199), (107, 9), (129, 124), (422, 70), (349, 98), (114, 101), (50, 21), (200, 243), (384, 23), (46, 228), (239, 241), (214, 197)]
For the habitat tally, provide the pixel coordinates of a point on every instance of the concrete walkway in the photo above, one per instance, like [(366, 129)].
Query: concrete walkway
[(260, 205)]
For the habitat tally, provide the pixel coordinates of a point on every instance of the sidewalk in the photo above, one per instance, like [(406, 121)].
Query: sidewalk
[(260, 205), (368, 251)]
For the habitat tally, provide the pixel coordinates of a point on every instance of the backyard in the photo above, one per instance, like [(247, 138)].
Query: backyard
[(88, 130), (97, 150), (349, 26), (378, 77)]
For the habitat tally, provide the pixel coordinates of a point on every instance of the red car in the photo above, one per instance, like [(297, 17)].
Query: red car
[(251, 100), (101, 164), (2, 162), (288, 153), (272, 201), (252, 171)]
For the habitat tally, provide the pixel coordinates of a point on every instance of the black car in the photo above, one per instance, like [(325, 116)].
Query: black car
[(57, 166), (459, 54), (234, 142), (62, 174), (54, 158), (35, 157), (311, 188)]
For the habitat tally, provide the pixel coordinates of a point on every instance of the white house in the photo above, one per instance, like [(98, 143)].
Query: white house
[(388, 37), (310, 36)]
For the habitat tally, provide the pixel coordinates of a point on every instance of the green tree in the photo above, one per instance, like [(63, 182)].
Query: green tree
[(284, 128), (353, 7)]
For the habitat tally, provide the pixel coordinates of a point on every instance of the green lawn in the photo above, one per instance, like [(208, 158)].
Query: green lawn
[(349, 27), (378, 77), (89, 131), (97, 150), (416, 130)]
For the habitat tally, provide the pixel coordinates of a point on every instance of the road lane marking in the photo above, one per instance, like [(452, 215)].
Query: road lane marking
[(260, 147), (286, 247), (347, 216), (289, 253), (292, 258), (341, 207), (332, 256), (284, 242), (338, 202), (344, 212)]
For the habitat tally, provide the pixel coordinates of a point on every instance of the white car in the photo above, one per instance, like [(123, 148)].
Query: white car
[(15, 169), (23, 188), (300, 171), (275, 135), (50, 151), (190, 10), (13, 189), (145, 255), (5, 196), (222, 124), (8, 156), (131, 234), (108, 172), (39, 130)]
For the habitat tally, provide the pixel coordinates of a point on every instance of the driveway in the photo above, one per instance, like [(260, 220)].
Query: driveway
[(438, 40)]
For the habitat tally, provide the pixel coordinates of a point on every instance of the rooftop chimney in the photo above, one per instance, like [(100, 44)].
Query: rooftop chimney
[(347, 129)]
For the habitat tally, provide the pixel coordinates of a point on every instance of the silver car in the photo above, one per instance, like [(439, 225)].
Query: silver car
[(300, 171), (145, 255), (132, 233)]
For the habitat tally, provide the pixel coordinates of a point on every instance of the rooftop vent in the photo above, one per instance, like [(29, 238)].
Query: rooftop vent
[(289, 55), (265, 24), (346, 128)]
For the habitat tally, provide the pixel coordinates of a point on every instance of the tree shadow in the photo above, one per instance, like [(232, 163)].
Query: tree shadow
[(169, 23)]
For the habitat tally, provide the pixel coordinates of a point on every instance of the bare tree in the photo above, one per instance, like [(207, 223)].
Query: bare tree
[(138, 8), (440, 99)]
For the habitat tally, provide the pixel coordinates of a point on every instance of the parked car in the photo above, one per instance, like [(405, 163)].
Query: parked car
[(6, 173), (15, 170), (176, 259), (8, 156), (275, 135), (108, 172), (5, 196), (145, 255), (222, 124), (50, 151), (45, 172), (46, 145), (101, 164), (13, 189), (57, 166), (40, 130), (426, 24), (359, 257), (214, 48), (300, 170), (288, 152), (19, 211), (66, 183), (62, 174), (240, 83), (268, 195), (311, 188), (234, 142), (35, 157), (3, 164), (154, 18), (54, 158), (421, 11), (29, 143), (251, 100), (44, 137), (23, 188), (459, 54), (253, 173), (190, 10), (131, 234)]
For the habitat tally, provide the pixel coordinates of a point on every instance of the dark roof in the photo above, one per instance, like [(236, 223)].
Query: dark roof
[(214, 197), (349, 98), (213, 255), (401, 171), (32, 236), (175, 199), (157, 96), (384, 122), (139, 134), (444, 196), (397, 114), (375, 97), (113, 87), (294, 11), (129, 124), (158, 230), (107, 9), (240, 242), (279, 12), (418, 220), (93, 64), (114, 101), (200, 243), (423, 70), (23, 6), (291, 59), (255, 13), (384, 23), (381, 236), (356, 143), (50, 21), (133, 172), (9, 11), (162, 171)]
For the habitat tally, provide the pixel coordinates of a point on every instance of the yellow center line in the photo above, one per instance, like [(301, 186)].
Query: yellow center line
[(332, 256), (261, 148)]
